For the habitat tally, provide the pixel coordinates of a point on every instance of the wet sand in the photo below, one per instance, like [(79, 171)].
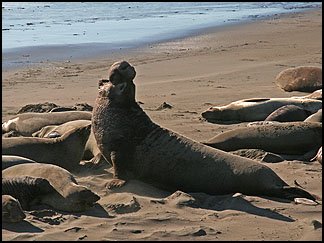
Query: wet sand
[(191, 74)]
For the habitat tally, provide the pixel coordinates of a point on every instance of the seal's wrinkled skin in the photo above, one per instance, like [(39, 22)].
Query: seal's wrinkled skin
[(140, 148)]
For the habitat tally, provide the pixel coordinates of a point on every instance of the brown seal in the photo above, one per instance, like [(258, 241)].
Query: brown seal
[(142, 149), (28, 123), (281, 138), (35, 183), (303, 78), (65, 151)]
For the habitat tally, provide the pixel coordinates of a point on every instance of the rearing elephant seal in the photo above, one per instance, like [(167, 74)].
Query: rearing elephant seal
[(141, 148)]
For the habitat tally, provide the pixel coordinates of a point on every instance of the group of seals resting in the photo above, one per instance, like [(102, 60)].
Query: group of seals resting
[(256, 109), (34, 183), (65, 151), (139, 148), (27, 123)]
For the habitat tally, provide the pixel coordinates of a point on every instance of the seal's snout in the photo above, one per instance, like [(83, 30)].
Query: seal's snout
[(211, 113), (121, 71)]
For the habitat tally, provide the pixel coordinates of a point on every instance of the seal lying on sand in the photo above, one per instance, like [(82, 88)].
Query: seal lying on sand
[(316, 117), (139, 147), (35, 183), (28, 123), (11, 210), (317, 95), (11, 160), (256, 109), (318, 156), (91, 150), (280, 138), (288, 113), (304, 79), (65, 151)]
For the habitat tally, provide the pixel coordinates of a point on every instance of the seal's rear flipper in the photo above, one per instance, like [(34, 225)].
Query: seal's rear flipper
[(291, 193)]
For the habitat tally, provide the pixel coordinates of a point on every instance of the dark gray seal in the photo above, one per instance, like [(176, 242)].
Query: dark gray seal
[(28, 123), (52, 185), (288, 113), (65, 151), (303, 78), (142, 149), (280, 138)]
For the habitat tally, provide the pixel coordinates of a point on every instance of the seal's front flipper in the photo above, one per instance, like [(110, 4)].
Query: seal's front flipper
[(115, 183)]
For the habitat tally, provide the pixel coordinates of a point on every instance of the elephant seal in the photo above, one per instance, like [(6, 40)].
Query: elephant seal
[(11, 160), (318, 156), (317, 95), (140, 148), (280, 138), (316, 117), (28, 123), (303, 78), (288, 113), (48, 184), (65, 151), (91, 150), (256, 109), (11, 210)]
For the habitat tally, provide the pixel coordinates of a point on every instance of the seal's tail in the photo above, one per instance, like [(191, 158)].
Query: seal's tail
[(291, 193)]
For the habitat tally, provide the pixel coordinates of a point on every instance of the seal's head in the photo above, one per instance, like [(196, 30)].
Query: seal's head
[(11, 210), (121, 71), (117, 94)]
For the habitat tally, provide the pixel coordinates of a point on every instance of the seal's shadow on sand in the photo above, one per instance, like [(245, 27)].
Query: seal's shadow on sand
[(238, 203), (21, 227), (205, 201)]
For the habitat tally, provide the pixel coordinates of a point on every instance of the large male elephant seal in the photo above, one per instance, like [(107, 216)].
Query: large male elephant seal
[(280, 138), (288, 113), (28, 123), (303, 78), (141, 148), (65, 151), (52, 185), (11, 210), (256, 109)]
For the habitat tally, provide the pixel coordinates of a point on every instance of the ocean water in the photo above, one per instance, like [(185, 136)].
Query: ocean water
[(113, 25)]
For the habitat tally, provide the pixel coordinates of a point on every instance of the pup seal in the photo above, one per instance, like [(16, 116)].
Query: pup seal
[(35, 183), (281, 138), (65, 151), (11, 210), (256, 109), (28, 123), (141, 148), (303, 78)]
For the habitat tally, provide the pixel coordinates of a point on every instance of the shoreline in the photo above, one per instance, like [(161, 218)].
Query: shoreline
[(33, 56)]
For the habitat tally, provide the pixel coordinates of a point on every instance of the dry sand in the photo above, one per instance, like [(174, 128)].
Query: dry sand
[(191, 74)]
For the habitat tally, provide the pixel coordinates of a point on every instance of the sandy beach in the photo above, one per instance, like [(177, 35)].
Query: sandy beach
[(214, 68)]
